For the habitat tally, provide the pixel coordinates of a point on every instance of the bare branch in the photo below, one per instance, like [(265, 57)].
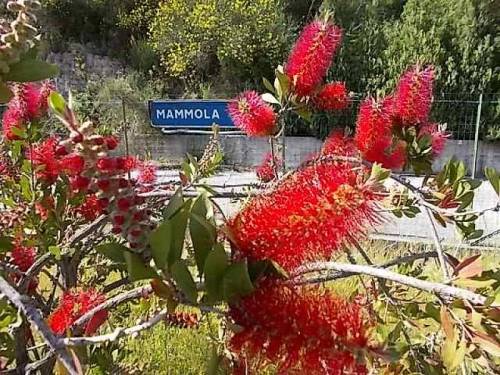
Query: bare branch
[(437, 244), (23, 304), (436, 288)]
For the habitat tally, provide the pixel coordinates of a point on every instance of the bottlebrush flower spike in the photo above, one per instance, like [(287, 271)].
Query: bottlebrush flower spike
[(146, 172), (36, 98), (312, 56), (265, 172), (252, 114), (438, 137), (13, 118), (338, 144), (413, 96), (23, 256), (301, 329), (75, 303), (44, 158), (91, 208), (308, 216), (332, 97), (374, 134)]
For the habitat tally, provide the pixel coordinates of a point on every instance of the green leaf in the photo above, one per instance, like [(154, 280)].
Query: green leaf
[(174, 204), (113, 251), (184, 280), (269, 98), (268, 85), (137, 269), (5, 93), (215, 266), (57, 103), (26, 188), (179, 224), (494, 178), (55, 251), (202, 230), (236, 281), (31, 70), (160, 242), (6, 244)]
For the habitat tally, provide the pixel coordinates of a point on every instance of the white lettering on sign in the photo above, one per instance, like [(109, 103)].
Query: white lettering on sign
[(187, 114)]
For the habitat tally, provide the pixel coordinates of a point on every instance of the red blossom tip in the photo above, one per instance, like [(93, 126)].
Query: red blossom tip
[(252, 115)]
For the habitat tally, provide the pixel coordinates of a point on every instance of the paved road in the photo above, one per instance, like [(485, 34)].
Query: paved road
[(405, 229)]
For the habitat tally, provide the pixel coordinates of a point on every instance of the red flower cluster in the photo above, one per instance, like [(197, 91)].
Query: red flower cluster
[(23, 257), (29, 103), (301, 329), (45, 160), (413, 96), (380, 123), (265, 172), (374, 137), (338, 144), (438, 137), (73, 304), (147, 172), (252, 114), (312, 55), (332, 97), (307, 216)]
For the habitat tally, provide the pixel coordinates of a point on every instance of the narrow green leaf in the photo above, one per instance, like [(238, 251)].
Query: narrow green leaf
[(137, 269), (31, 70), (184, 280), (215, 266), (174, 204), (269, 98), (55, 251), (202, 229), (179, 224), (494, 178), (57, 103), (268, 85), (236, 281), (113, 251), (160, 242), (214, 362)]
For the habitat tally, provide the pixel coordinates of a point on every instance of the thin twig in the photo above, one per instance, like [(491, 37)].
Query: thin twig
[(437, 288), (439, 248)]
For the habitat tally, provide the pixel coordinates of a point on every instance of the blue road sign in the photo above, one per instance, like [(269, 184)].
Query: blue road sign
[(189, 113)]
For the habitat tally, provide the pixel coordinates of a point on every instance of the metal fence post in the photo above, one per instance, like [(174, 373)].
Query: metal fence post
[(476, 136)]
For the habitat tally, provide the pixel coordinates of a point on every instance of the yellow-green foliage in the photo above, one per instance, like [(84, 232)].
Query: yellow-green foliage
[(189, 34)]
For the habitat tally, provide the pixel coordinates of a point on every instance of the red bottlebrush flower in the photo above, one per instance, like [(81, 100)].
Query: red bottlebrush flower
[(104, 184), (252, 114), (36, 97), (124, 204), (61, 150), (312, 56), (301, 329), (91, 208), (332, 97), (13, 118), (111, 142), (74, 304), (413, 96), (147, 172), (22, 256), (126, 163), (80, 183), (374, 134), (73, 164), (119, 220), (338, 144), (438, 137), (307, 216), (265, 172), (44, 159), (123, 183), (106, 164)]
